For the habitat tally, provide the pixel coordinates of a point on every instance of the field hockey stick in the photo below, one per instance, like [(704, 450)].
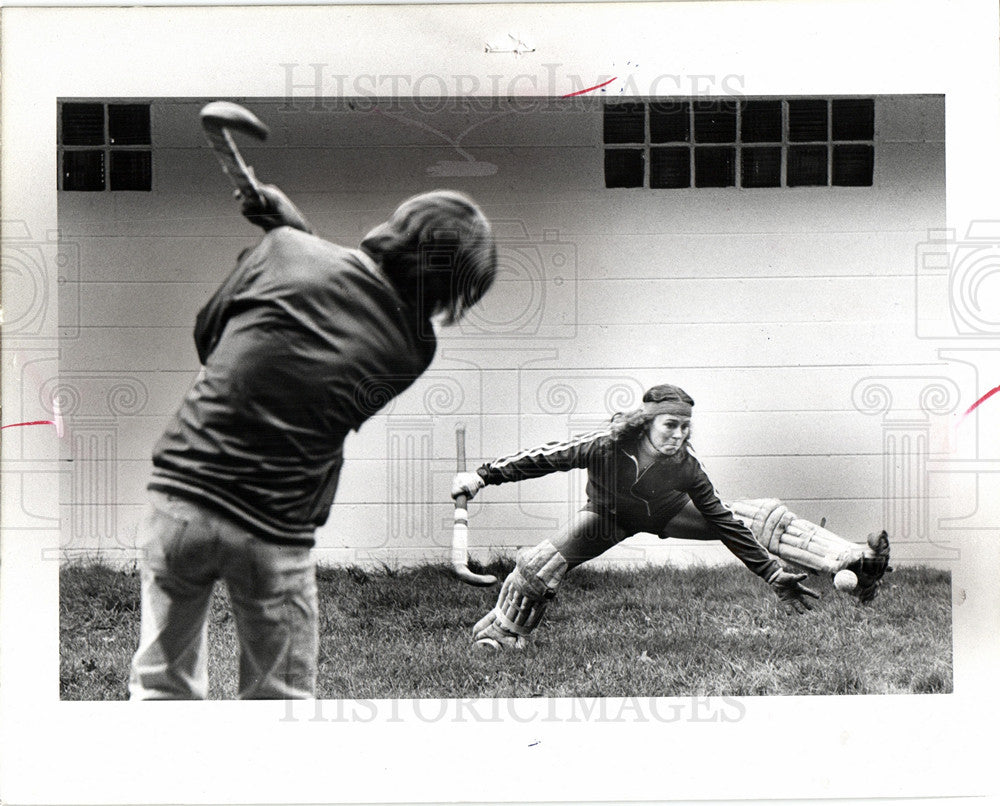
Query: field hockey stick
[(220, 119), (460, 532)]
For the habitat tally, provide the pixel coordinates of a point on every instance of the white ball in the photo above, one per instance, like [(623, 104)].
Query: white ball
[(845, 580)]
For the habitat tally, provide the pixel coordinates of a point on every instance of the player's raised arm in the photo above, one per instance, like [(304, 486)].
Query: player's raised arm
[(270, 208)]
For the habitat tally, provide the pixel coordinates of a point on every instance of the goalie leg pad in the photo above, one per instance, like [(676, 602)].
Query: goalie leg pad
[(872, 567), (524, 596), (786, 535), (488, 632), (540, 570), (812, 547)]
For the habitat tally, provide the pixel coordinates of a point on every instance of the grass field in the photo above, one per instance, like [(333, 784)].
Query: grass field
[(644, 633)]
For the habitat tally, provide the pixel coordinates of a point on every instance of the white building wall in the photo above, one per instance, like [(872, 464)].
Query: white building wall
[(787, 313)]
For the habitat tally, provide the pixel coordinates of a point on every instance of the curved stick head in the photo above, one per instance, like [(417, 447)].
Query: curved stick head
[(220, 115), (470, 578)]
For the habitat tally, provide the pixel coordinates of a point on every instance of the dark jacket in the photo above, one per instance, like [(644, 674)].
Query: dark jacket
[(301, 344), (638, 502)]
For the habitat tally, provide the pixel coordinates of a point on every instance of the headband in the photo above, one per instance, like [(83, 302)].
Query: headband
[(667, 399), (678, 407)]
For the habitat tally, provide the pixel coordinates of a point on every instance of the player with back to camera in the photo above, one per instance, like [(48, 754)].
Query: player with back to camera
[(248, 467), (642, 476)]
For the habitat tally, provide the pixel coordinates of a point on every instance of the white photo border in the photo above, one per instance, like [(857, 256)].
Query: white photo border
[(241, 752)]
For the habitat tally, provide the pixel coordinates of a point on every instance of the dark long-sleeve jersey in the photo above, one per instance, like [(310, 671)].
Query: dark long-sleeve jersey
[(638, 501), (302, 342)]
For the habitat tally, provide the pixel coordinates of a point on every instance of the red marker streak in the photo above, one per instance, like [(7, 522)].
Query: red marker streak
[(34, 422), (590, 89), (981, 400)]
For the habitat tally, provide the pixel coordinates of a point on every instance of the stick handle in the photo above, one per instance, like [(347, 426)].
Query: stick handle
[(460, 533), (219, 120), (460, 446), (461, 500), (233, 165)]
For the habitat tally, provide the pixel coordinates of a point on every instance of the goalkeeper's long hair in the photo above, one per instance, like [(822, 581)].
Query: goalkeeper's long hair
[(438, 250), (628, 426)]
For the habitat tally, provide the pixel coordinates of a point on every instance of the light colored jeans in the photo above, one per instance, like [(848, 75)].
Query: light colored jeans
[(272, 591)]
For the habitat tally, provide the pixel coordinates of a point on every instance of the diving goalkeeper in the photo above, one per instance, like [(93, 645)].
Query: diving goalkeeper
[(644, 476)]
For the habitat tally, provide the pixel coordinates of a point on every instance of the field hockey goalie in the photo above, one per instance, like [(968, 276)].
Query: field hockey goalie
[(538, 572), (813, 548)]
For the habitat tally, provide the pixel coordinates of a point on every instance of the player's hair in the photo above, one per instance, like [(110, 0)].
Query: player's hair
[(438, 250), (631, 425)]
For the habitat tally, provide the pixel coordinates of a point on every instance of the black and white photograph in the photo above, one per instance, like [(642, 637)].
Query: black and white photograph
[(391, 387)]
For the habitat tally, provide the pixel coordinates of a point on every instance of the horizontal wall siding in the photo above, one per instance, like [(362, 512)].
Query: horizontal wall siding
[(783, 311)]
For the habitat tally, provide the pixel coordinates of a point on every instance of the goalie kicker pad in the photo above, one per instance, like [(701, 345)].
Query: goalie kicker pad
[(803, 543), (524, 596)]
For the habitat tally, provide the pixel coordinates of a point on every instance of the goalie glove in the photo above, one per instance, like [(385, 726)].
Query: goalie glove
[(791, 592), (467, 484)]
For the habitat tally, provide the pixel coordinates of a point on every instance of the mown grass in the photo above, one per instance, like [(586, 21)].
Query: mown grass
[(645, 633)]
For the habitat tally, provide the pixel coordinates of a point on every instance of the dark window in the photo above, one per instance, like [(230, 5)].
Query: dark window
[(624, 168), (83, 170), (723, 142), (806, 166), (761, 122), (131, 170), (760, 167), (715, 122), (853, 165), (853, 119), (714, 167), (625, 123), (105, 146), (807, 121), (670, 167), (128, 124), (83, 124), (669, 122)]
